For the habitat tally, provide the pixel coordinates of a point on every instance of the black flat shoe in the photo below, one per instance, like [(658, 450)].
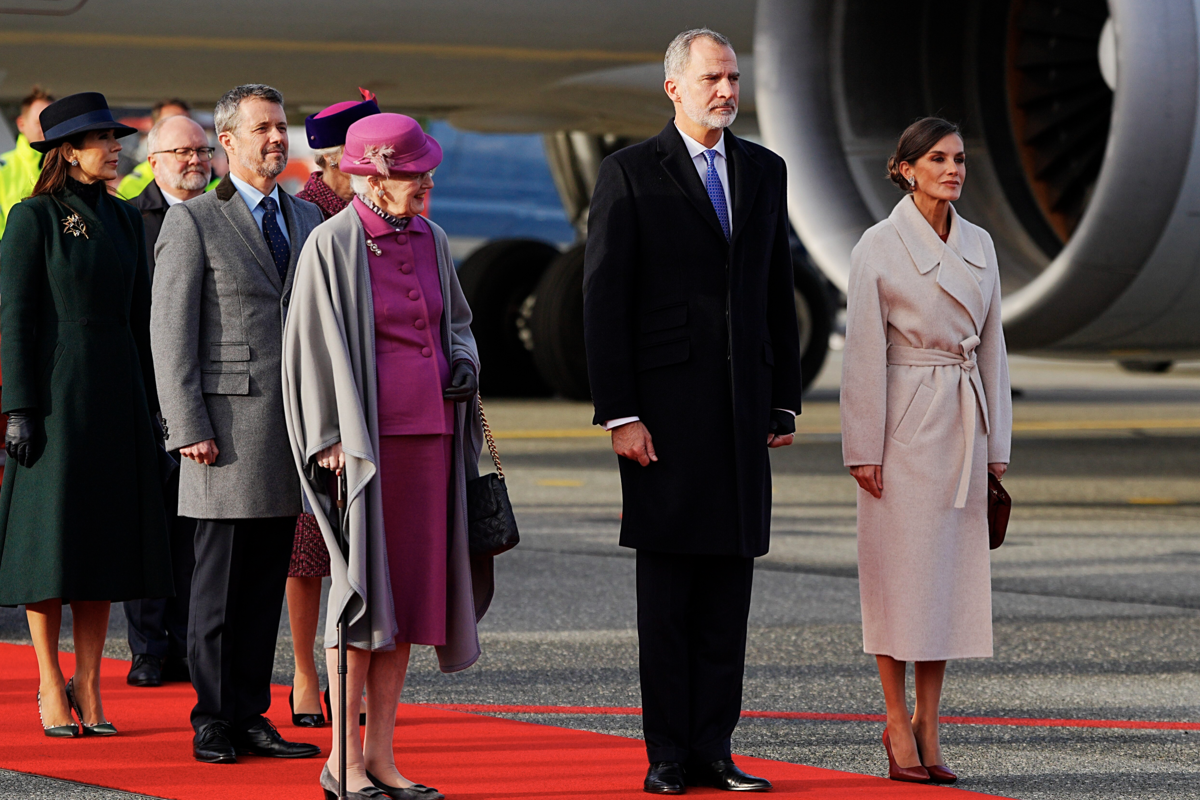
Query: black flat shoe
[(212, 744), (261, 739), (304, 720), (664, 777), (146, 670), (414, 792), (362, 715), (724, 774), (56, 731), (330, 785), (102, 728)]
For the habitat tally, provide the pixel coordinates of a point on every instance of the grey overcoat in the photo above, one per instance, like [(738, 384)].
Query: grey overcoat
[(216, 330), (331, 395), (925, 394)]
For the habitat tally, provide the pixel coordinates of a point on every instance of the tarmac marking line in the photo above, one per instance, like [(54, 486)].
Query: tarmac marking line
[(1127, 724)]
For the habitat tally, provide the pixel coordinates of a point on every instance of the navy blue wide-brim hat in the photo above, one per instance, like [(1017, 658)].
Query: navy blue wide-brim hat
[(76, 113), (327, 128)]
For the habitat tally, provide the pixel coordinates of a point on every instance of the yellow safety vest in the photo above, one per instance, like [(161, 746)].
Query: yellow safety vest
[(19, 173)]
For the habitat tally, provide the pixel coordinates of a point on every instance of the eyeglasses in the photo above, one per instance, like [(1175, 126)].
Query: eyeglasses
[(413, 176), (186, 153)]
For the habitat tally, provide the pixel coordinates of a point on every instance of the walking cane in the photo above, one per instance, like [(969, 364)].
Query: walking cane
[(344, 542)]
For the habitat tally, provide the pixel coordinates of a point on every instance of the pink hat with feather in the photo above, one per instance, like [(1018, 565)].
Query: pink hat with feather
[(383, 144)]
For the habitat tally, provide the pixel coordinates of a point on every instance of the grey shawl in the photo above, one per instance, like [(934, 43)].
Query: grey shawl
[(330, 395)]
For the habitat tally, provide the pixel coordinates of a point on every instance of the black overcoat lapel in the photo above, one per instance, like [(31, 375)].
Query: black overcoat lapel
[(673, 155), (295, 235), (745, 174), (242, 220)]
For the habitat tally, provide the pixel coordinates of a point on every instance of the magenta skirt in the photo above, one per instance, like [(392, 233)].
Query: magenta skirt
[(414, 475)]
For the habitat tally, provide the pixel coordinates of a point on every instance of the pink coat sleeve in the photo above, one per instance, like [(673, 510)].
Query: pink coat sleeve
[(992, 361), (864, 362)]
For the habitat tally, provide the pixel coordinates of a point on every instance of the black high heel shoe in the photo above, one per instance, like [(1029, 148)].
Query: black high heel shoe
[(56, 731), (362, 715), (104, 728), (304, 720)]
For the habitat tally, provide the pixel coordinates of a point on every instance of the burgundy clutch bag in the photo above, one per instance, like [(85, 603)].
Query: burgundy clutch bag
[(999, 507)]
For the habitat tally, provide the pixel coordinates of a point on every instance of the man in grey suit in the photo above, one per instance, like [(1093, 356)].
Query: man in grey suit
[(225, 263)]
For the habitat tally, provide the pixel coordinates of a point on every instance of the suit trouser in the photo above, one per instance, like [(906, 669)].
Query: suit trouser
[(237, 599), (692, 612), (158, 627)]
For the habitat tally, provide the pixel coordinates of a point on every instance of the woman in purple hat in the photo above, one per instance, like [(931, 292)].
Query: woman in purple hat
[(379, 382), (329, 189)]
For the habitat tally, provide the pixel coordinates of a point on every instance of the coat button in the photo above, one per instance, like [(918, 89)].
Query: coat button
[(405, 268), (285, 302), (425, 351), (83, 320), (419, 324), (402, 238), (414, 295)]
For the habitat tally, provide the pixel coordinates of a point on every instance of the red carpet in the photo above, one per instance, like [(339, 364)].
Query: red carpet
[(467, 756)]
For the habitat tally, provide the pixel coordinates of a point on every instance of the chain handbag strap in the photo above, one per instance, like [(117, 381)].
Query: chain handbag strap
[(491, 441)]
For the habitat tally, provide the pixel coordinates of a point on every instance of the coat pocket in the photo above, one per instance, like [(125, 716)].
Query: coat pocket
[(224, 382), (664, 318), (663, 354), (915, 415), (228, 351)]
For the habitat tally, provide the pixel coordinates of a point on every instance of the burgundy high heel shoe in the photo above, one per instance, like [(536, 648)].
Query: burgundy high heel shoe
[(938, 773), (917, 774)]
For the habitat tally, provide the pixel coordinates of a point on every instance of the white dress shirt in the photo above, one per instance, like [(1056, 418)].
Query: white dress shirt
[(172, 200), (253, 198), (696, 151)]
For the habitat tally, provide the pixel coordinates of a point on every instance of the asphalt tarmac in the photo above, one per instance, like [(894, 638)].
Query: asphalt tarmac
[(1096, 597)]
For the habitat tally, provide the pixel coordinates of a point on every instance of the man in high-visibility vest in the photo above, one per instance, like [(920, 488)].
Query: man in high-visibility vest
[(143, 175), (21, 166)]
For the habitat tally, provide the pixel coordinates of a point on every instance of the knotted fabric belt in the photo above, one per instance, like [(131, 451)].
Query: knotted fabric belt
[(970, 390)]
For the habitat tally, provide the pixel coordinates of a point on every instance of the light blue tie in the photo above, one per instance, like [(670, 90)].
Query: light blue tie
[(712, 182)]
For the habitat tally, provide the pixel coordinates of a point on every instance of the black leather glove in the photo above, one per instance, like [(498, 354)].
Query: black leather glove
[(18, 439), (463, 383), (782, 422)]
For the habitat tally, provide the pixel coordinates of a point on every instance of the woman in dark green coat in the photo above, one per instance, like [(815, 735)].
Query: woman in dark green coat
[(81, 506)]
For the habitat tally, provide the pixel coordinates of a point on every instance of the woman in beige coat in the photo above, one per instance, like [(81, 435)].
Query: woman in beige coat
[(926, 413)]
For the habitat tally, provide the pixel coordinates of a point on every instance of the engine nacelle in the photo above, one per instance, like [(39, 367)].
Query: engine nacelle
[(1082, 140)]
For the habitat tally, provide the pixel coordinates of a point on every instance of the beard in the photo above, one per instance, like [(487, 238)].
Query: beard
[(709, 117), (261, 166), (191, 180)]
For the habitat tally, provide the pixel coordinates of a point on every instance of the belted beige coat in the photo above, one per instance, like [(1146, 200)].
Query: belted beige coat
[(925, 393)]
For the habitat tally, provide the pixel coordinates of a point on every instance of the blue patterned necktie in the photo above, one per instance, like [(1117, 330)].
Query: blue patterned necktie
[(712, 182), (274, 236)]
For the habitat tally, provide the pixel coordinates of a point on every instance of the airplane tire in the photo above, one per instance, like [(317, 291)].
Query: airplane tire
[(496, 279), (815, 316), (557, 326)]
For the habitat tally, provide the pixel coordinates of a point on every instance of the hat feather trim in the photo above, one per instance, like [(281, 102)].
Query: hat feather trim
[(380, 156)]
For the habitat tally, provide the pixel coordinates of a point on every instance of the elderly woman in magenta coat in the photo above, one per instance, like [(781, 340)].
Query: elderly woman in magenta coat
[(926, 414), (379, 366)]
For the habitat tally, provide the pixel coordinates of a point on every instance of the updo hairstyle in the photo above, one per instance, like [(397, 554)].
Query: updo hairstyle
[(917, 140)]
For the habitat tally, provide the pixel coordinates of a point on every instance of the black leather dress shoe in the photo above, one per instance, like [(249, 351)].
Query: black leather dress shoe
[(261, 739), (664, 777), (724, 774), (145, 671), (212, 744)]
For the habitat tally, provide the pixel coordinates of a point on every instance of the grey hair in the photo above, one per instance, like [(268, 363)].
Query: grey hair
[(227, 114), (327, 157), (679, 51), (361, 184)]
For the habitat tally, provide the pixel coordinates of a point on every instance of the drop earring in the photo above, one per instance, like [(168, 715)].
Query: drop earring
[(912, 182)]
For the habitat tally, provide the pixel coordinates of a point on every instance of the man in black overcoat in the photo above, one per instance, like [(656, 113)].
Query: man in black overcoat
[(694, 359), (182, 163)]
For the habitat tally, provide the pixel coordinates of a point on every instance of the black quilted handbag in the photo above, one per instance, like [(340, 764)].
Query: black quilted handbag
[(491, 526)]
